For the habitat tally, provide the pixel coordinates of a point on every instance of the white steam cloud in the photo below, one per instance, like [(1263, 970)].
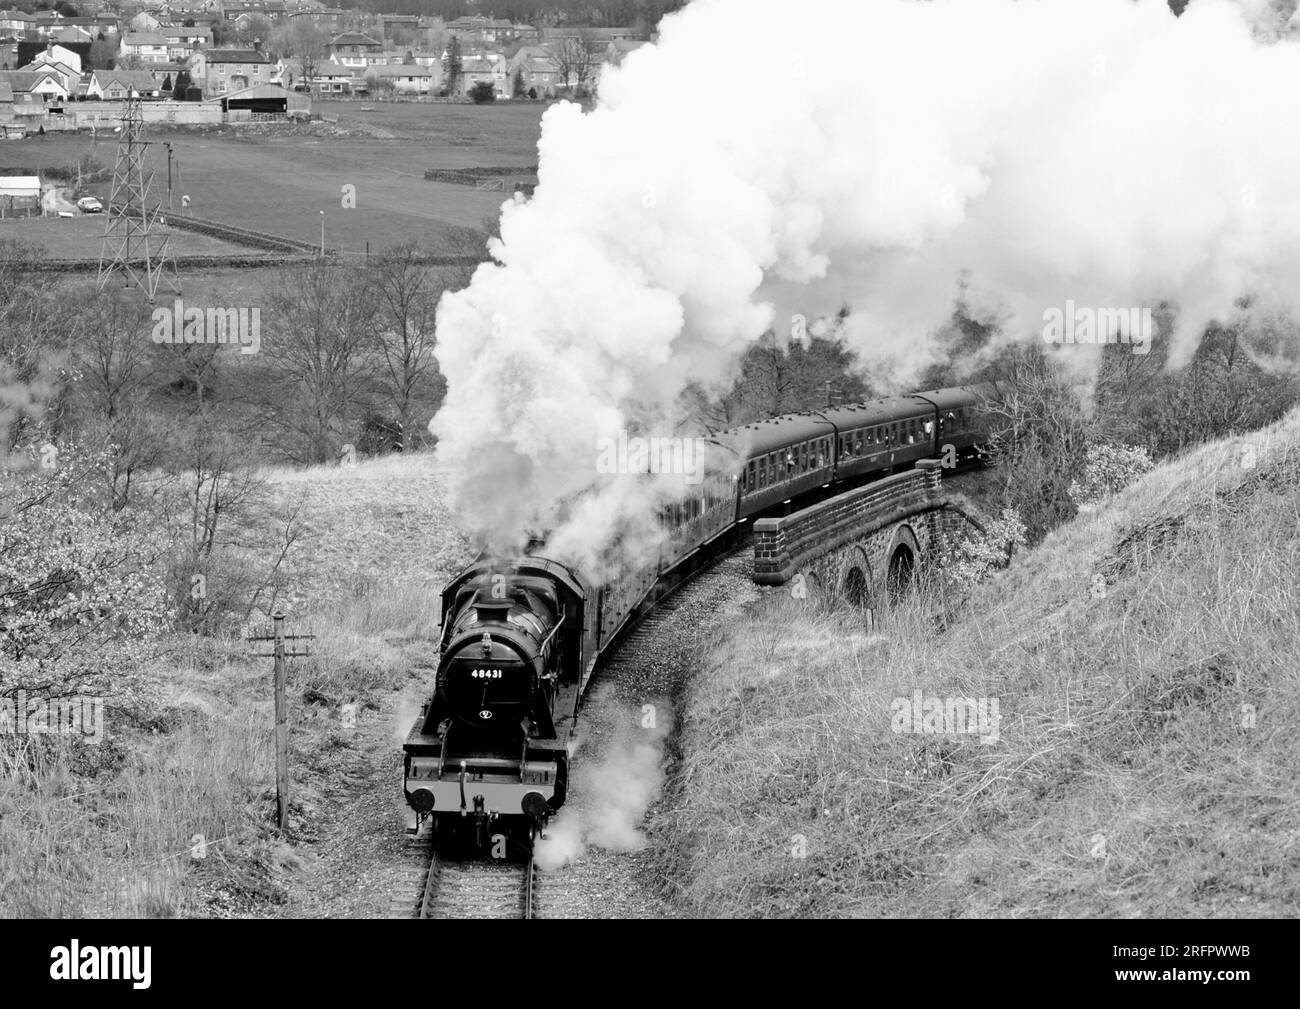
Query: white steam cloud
[(755, 163), (613, 794)]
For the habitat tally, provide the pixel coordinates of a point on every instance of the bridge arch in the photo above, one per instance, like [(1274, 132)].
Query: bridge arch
[(856, 582), (902, 558)]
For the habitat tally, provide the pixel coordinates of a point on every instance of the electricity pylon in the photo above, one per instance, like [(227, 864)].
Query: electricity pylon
[(131, 245)]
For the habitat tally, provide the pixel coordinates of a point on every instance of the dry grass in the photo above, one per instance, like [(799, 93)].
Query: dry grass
[(110, 829), (1128, 780), (107, 829)]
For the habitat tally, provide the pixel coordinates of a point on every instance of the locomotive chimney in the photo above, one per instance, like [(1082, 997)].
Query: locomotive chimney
[(492, 610)]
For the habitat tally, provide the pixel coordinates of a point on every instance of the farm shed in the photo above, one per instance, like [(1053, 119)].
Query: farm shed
[(263, 99), (19, 192)]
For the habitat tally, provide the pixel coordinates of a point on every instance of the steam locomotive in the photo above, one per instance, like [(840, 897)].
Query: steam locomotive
[(521, 637)]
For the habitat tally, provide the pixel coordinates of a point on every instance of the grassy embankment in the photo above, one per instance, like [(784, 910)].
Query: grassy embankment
[(1145, 661)]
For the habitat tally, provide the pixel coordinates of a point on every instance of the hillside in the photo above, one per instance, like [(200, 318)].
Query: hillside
[(1144, 659), (173, 812)]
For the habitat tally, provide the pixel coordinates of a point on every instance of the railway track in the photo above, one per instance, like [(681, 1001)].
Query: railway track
[(436, 886)]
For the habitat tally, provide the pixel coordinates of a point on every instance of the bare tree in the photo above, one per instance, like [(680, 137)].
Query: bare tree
[(322, 325), (573, 57), (406, 294), (113, 363), (305, 42)]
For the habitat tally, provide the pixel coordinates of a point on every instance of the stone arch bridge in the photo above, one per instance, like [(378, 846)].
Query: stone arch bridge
[(865, 544)]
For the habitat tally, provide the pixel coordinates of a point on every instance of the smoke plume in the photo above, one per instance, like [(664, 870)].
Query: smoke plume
[(761, 162), (613, 793)]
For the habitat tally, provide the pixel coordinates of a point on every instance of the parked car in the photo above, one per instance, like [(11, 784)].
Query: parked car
[(90, 205)]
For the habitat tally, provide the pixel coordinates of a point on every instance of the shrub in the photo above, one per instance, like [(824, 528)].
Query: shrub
[(1108, 469), (483, 92), (980, 553)]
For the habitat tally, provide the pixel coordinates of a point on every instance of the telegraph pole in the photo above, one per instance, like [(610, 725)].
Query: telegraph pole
[(169, 174), (281, 707)]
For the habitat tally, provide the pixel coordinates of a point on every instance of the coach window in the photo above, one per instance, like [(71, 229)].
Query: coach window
[(751, 468)]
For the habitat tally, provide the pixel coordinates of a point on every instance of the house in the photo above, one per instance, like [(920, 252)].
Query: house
[(595, 37), (182, 42), (196, 12), (333, 79), (485, 28), (354, 50), (47, 22), (410, 79), (72, 33), (198, 36), (63, 63), (148, 47), (490, 67), (17, 25), (100, 24), (541, 71), (143, 22), (118, 84), (54, 54), (241, 14), (35, 86), (392, 24), (217, 71)]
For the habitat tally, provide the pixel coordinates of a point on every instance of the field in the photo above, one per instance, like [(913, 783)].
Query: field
[(278, 179), (80, 238)]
